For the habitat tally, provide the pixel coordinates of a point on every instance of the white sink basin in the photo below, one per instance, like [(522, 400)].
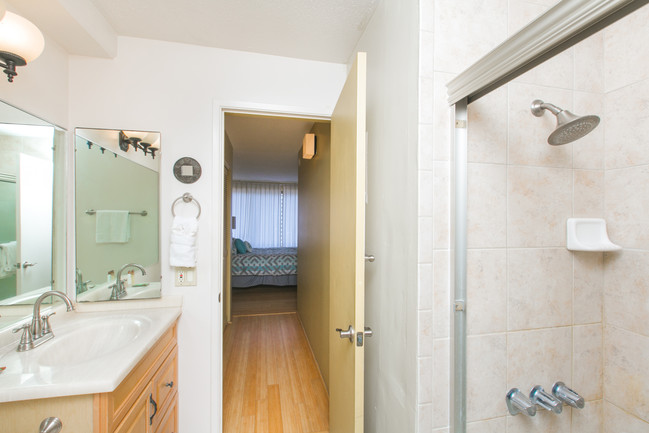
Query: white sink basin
[(91, 352), (89, 340), (79, 340)]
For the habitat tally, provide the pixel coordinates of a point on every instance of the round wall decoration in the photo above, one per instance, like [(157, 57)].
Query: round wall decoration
[(187, 170)]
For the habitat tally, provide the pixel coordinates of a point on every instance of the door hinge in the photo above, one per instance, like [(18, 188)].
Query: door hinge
[(219, 297)]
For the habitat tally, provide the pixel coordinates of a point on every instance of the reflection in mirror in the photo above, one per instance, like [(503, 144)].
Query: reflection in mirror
[(116, 214), (27, 189)]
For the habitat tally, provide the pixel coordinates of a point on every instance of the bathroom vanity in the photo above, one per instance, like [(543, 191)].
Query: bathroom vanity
[(103, 372)]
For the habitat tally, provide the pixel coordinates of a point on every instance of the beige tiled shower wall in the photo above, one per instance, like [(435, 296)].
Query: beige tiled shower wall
[(626, 291), (537, 313)]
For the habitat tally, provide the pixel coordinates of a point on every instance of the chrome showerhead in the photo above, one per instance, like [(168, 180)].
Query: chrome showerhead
[(569, 126)]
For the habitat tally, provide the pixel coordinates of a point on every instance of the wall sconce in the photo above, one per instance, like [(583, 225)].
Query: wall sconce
[(308, 146), (20, 42)]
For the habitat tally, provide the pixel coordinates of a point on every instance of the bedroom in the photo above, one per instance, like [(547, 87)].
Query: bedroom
[(277, 203)]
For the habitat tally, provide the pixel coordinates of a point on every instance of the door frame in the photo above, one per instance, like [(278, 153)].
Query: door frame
[(219, 109)]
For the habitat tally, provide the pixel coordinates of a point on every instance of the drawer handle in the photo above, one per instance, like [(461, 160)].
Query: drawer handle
[(155, 408), (170, 384)]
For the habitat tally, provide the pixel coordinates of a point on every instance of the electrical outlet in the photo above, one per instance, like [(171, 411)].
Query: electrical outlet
[(185, 276)]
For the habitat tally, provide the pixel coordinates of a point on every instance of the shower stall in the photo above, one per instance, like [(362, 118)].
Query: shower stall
[(545, 339)]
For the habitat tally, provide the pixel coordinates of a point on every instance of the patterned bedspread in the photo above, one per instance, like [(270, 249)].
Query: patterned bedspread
[(266, 261)]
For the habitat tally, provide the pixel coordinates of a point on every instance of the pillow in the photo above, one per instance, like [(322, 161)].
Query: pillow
[(248, 246), (240, 246)]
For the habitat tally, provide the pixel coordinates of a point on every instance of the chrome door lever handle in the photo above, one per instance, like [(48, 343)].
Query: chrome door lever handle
[(370, 258), (349, 333), (368, 332)]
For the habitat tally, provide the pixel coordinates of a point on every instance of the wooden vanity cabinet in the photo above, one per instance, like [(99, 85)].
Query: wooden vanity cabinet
[(146, 400), (128, 409)]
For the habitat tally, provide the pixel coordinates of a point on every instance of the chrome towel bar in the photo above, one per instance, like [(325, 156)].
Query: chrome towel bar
[(141, 213)]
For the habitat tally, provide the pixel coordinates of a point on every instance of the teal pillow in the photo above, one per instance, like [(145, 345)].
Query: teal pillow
[(240, 246)]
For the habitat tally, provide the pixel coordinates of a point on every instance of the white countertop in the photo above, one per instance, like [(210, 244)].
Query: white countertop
[(28, 377)]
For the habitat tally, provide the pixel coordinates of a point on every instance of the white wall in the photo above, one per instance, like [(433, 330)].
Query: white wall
[(171, 88), (391, 43), (41, 87)]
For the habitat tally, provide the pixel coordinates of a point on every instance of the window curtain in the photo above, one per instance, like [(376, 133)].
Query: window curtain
[(266, 214), (289, 215)]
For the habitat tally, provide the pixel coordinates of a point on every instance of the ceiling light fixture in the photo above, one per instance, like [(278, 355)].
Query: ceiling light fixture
[(20, 42)]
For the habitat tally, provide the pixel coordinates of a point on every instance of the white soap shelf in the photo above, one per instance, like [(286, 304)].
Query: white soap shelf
[(588, 234)]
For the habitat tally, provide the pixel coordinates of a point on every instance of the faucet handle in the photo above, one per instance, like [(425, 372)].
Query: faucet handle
[(518, 403), (45, 318), (539, 397), (26, 340), (567, 395)]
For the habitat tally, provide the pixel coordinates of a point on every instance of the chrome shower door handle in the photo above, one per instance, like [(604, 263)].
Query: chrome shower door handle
[(349, 333)]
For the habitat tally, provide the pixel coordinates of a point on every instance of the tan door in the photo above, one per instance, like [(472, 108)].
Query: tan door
[(347, 279)]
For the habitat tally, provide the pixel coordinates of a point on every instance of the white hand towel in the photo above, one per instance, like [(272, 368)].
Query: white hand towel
[(112, 227), (7, 259), (182, 251)]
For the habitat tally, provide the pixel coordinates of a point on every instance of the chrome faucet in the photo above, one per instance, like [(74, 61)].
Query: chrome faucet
[(39, 330), (118, 288)]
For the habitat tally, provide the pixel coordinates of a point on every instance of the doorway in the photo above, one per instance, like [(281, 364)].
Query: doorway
[(272, 378)]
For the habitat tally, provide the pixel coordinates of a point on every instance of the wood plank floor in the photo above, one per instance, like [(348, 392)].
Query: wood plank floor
[(264, 300), (271, 383)]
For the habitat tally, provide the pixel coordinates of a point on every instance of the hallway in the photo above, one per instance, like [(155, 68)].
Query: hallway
[(271, 381)]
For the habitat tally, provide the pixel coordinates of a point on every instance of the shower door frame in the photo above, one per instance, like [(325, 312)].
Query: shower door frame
[(561, 27)]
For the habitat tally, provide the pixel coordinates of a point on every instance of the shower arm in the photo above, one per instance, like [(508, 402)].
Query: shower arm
[(538, 106)]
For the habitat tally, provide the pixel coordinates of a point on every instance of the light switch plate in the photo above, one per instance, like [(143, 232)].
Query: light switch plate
[(185, 276)]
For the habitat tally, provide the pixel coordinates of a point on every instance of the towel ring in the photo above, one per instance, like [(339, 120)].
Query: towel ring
[(186, 198)]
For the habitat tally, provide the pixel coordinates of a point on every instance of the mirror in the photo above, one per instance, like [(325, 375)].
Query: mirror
[(32, 214), (116, 214)]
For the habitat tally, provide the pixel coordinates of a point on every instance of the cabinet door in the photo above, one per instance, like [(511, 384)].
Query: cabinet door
[(137, 419), (169, 423)]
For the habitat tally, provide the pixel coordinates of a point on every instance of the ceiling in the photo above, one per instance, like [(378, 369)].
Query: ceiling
[(320, 30), (265, 148), (324, 30)]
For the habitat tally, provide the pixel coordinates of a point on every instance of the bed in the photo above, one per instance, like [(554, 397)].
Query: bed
[(265, 266)]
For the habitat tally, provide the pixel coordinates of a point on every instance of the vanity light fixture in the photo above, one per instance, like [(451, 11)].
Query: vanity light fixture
[(20, 42), (137, 143)]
